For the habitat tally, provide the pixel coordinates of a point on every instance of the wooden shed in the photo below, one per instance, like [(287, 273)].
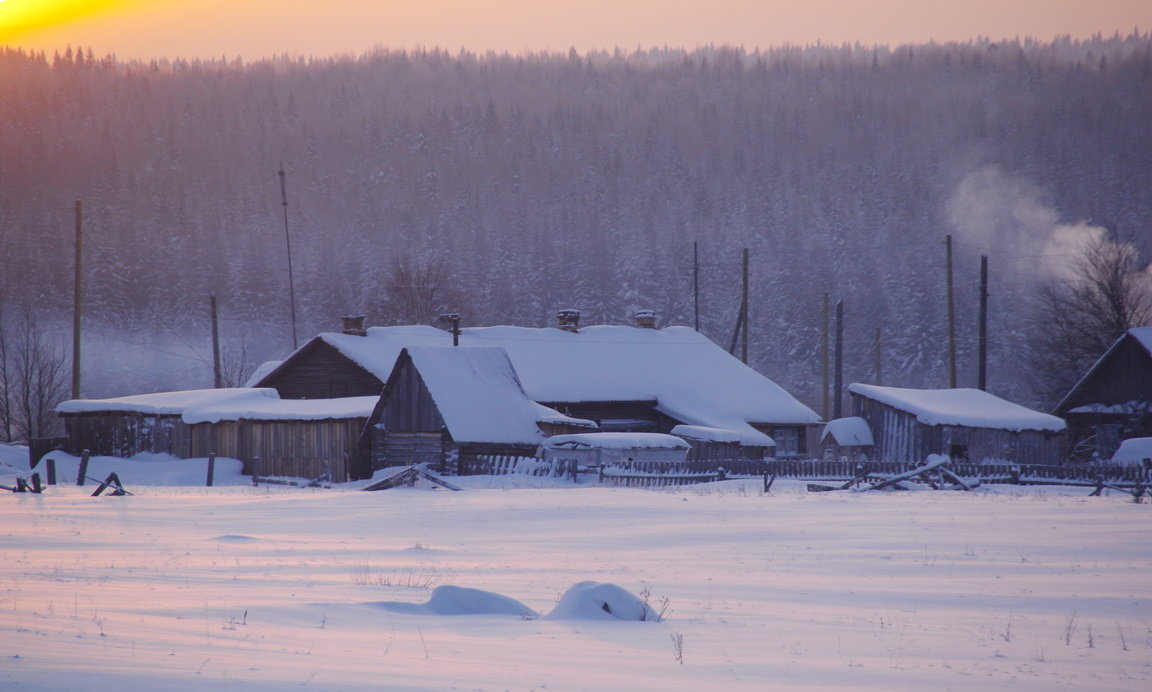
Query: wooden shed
[(718, 444), (847, 439), (441, 403), (965, 424), (273, 437), (1113, 400)]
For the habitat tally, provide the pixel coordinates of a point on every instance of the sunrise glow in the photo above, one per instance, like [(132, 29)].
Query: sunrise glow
[(19, 18)]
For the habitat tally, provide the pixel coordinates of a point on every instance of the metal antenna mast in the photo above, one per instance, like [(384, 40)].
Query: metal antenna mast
[(288, 243)]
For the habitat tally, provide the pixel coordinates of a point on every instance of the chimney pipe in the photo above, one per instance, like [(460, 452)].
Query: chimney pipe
[(645, 319), (569, 319), (354, 325), (452, 318)]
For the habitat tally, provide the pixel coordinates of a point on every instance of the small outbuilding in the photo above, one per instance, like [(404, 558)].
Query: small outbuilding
[(964, 424), (848, 439), (718, 444), (1136, 451)]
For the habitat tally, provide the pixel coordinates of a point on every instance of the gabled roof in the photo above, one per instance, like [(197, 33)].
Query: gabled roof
[(476, 392), (692, 379), (972, 408), (1140, 335)]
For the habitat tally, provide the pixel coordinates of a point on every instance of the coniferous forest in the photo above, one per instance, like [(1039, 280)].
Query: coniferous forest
[(506, 187)]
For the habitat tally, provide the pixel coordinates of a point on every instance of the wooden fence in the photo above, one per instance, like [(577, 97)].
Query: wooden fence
[(655, 473), (818, 469)]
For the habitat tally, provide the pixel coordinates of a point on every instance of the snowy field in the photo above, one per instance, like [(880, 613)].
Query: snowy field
[(236, 587)]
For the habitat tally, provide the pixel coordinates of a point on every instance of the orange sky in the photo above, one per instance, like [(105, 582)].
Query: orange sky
[(257, 28)]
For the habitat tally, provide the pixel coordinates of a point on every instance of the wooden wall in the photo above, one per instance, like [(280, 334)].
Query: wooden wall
[(125, 434), (282, 447), (900, 437), (1125, 376), (319, 371), (287, 448)]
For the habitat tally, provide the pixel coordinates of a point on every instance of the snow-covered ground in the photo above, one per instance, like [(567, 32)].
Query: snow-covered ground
[(236, 587)]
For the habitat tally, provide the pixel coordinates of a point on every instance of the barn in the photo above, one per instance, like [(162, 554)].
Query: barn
[(443, 403), (623, 378), (1113, 400), (272, 436), (965, 424)]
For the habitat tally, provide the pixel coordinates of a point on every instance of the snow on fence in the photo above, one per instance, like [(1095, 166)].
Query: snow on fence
[(819, 469), (500, 465)]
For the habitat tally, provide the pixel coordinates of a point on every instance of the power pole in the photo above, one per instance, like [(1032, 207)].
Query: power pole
[(838, 412), (217, 375), (879, 355), (982, 376), (824, 351), (744, 310), (77, 302), (288, 243), (951, 315), (696, 282)]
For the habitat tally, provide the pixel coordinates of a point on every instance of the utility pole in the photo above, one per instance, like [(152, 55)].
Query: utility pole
[(217, 375), (744, 310), (838, 412), (77, 302), (824, 350), (696, 282), (288, 244), (982, 375), (951, 315), (879, 355)]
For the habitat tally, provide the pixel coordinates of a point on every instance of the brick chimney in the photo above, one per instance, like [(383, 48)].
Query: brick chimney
[(568, 319), (354, 325), (646, 319)]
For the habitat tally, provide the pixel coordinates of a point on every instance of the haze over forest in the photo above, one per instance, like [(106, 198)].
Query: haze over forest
[(508, 187)]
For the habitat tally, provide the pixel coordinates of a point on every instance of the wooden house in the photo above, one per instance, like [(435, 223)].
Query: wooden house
[(1113, 400), (623, 378), (441, 403), (965, 424), (273, 437)]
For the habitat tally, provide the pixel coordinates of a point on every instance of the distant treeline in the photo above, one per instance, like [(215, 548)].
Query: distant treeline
[(506, 187)]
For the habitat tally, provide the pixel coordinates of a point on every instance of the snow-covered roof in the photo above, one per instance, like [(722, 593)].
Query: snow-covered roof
[(968, 407), (214, 405), (707, 434), (545, 414), (848, 432), (621, 440), (262, 371), (692, 379), (1144, 336), (478, 394), (1133, 451)]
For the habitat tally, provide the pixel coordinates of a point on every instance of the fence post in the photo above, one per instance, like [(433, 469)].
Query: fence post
[(51, 470), (83, 471), (211, 467)]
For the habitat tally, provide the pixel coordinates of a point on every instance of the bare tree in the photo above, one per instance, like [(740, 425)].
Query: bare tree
[(32, 380), (419, 291), (1109, 293)]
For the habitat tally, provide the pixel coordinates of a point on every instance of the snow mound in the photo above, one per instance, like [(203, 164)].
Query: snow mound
[(457, 600), (593, 600)]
